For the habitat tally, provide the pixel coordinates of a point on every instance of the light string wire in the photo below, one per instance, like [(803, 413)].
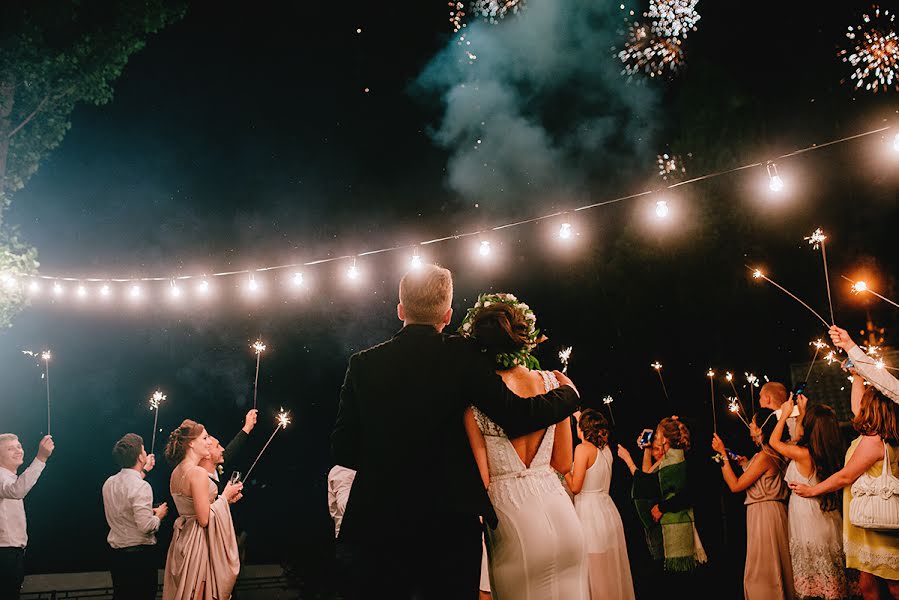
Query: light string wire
[(462, 235)]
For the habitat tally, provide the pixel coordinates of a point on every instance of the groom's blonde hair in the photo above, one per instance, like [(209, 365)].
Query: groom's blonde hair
[(426, 294)]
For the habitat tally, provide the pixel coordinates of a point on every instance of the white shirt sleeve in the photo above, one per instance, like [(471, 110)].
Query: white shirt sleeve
[(879, 378), (18, 489), (142, 508)]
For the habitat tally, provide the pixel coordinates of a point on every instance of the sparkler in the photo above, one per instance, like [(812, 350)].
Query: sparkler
[(259, 348), (753, 383), (711, 375), (860, 286), (45, 356), (658, 367), (155, 401), (565, 356), (734, 406), (729, 377), (817, 239), (875, 52), (281, 422), (819, 345), (758, 274), (608, 402)]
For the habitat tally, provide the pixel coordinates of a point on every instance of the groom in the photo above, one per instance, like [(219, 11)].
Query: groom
[(411, 527)]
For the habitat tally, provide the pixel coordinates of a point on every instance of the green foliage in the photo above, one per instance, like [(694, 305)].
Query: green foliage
[(54, 56)]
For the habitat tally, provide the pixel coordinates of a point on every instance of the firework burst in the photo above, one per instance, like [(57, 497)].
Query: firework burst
[(495, 11), (670, 166), (875, 51), (457, 15), (673, 18), (646, 52)]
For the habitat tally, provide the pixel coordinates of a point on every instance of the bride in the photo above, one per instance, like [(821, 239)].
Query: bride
[(537, 550)]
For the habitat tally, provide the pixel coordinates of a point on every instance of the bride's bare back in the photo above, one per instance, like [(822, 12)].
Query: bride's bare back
[(525, 383)]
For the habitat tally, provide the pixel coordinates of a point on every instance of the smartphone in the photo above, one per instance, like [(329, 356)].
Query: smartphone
[(731, 454), (799, 389), (645, 438), (848, 364), (235, 477)]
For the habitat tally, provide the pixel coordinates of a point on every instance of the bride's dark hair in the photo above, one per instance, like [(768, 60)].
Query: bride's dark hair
[(500, 329)]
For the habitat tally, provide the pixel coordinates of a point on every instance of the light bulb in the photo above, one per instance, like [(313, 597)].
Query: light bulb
[(175, 291), (135, 291), (484, 248), (415, 262), (58, 289), (896, 143), (297, 279), (353, 271), (82, 291), (104, 291), (776, 184), (34, 287), (565, 231), (662, 209), (252, 284), (203, 287), (860, 286)]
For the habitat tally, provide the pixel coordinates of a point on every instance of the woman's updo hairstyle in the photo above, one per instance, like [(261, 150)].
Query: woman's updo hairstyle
[(500, 329), (675, 432), (180, 438), (595, 427)]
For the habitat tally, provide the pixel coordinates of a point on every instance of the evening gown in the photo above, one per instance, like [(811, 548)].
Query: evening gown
[(199, 554), (816, 544), (537, 550), (609, 571), (769, 572)]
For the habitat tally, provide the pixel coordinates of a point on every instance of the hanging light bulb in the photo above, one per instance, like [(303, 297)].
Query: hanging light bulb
[(297, 279), (484, 248), (134, 292), (353, 271), (203, 287), (34, 287), (252, 284), (104, 290), (565, 231), (81, 291), (415, 262), (896, 143), (175, 291), (662, 209), (775, 183), (58, 290)]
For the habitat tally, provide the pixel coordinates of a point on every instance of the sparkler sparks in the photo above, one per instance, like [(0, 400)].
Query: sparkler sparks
[(156, 399), (860, 286), (656, 365), (816, 238), (711, 375), (875, 51), (658, 368), (282, 420), (732, 405), (752, 380), (608, 400), (818, 344), (565, 356), (879, 364), (670, 166), (258, 347)]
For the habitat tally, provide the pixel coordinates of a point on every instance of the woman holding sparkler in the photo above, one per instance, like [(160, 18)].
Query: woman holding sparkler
[(874, 553), (202, 561), (537, 549), (769, 573), (815, 525), (608, 569)]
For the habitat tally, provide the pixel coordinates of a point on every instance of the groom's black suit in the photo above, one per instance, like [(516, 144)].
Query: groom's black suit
[(411, 522)]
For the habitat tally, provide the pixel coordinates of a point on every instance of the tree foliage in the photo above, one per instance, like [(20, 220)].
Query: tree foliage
[(54, 56)]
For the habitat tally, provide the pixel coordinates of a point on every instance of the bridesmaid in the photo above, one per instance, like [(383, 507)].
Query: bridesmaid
[(609, 572), (769, 573), (202, 562)]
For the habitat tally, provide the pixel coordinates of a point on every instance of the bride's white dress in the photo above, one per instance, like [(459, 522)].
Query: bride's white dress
[(537, 551)]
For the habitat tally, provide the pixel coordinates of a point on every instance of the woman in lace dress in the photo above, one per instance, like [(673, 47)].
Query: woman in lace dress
[(874, 553), (816, 525), (202, 561), (768, 574), (608, 569), (537, 551)]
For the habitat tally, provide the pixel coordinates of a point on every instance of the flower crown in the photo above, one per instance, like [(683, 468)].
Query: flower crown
[(521, 357)]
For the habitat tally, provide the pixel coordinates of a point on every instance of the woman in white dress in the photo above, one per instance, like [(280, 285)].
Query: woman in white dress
[(815, 524), (537, 550), (609, 571)]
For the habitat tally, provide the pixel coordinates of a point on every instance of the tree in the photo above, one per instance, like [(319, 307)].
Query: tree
[(54, 56)]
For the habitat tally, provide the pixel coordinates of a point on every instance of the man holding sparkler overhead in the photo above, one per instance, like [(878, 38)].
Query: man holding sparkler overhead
[(400, 423), (219, 456), (13, 489)]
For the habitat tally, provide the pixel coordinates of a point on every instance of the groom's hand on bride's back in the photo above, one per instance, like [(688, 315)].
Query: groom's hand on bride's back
[(565, 380)]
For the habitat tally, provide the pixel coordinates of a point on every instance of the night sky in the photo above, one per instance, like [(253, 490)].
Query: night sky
[(244, 137)]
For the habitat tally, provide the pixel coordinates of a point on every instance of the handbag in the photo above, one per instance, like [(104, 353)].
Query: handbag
[(875, 499)]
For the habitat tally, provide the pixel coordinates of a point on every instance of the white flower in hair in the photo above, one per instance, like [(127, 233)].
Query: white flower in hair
[(486, 304)]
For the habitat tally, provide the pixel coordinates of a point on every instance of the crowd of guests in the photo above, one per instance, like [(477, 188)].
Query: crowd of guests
[(202, 560), (506, 503)]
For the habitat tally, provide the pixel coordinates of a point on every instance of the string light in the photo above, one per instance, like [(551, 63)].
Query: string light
[(565, 231), (353, 272), (81, 291), (297, 279), (203, 287), (252, 284), (134, 292), (415, 262), (662, 209), (104, 291), (34, 287), (9, 281), (775, 183)]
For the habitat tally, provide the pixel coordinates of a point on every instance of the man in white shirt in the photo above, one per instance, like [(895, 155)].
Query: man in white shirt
[(133, 522), (13, 528), (772, 395)]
